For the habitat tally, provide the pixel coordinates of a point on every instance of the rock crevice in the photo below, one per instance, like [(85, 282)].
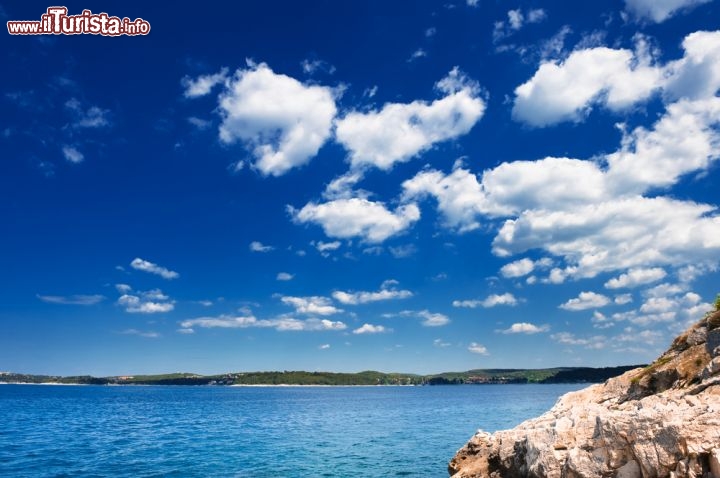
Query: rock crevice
[(659, 421)]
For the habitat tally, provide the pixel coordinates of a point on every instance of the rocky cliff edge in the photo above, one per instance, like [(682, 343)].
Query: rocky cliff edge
[(659, 421)]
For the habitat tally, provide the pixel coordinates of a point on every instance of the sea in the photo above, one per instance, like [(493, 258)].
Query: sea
[(185, 431)]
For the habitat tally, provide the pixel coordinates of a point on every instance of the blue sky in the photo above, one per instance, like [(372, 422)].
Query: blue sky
[(416, 187)]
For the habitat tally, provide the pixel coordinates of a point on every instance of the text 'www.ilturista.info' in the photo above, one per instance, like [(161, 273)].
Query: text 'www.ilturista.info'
[(56, 21)]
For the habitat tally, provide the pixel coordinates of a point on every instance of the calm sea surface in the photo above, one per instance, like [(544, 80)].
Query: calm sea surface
[(138, 431)]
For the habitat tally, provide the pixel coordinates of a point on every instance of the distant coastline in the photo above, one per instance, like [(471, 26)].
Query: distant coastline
[(366, 378)]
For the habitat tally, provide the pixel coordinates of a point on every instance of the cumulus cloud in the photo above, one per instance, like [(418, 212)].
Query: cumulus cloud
[(491, 301), (567, 90), (78, 299), (282, 324), (459, 195), (635, 277), (617, 79), (684, 140), (386, 292), (312, 305), (280, 120), (586, 300), (429, 319), (203, 84), (326, 246), (90, 117), (72, 154), (516, 20), (148, 302), (151, 268), (595, 342), (357, 217), (670, 304), (618, 234), (140, 333), (284, 276), (398, 132), (525, 328), (257, 246), (659, 10), (477, 348), (697, 74), (370, 329), (576, 209), (518, 268)]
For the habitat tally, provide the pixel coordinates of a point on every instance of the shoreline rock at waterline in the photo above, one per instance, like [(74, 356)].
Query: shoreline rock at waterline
[(659, 421)]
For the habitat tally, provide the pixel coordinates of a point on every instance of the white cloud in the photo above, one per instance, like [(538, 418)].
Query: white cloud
[(327, 246), (433, 319), (398, 132), (284, 276), (123, 288), (668, 303), (280, 120), (623, 299), (635, 277), (516, 20), (592, 206), (566, 91), (459, 195), (684, 140), (429, 319), (282, 324), (550, 183), (403, 251), (311, 67), (476, 348), (202, 85), (78, 299), (525, 328), (370, 329), (659, 10), (357, 217), (324, 346), (199, 123), (697, 74), (257, 246), (440, 343), (618, 234), (147, 266), (72, 154), (617, 79), (518, 268), (386, 292), (491, 301), (139, 333), (596, 342), (149, 302), (92, 117), (586, 300), (311, 305), (419, 53)]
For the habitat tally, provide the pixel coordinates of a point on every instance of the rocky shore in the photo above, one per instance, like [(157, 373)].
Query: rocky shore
[(659, 421)]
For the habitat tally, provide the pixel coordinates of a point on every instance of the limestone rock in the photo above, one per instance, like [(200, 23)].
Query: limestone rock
[(660, 421)]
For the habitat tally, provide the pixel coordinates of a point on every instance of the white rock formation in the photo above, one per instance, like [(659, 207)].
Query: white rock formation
[(660, 421)]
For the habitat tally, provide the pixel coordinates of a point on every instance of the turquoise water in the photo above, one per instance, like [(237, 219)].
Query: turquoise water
[(138, 431)]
